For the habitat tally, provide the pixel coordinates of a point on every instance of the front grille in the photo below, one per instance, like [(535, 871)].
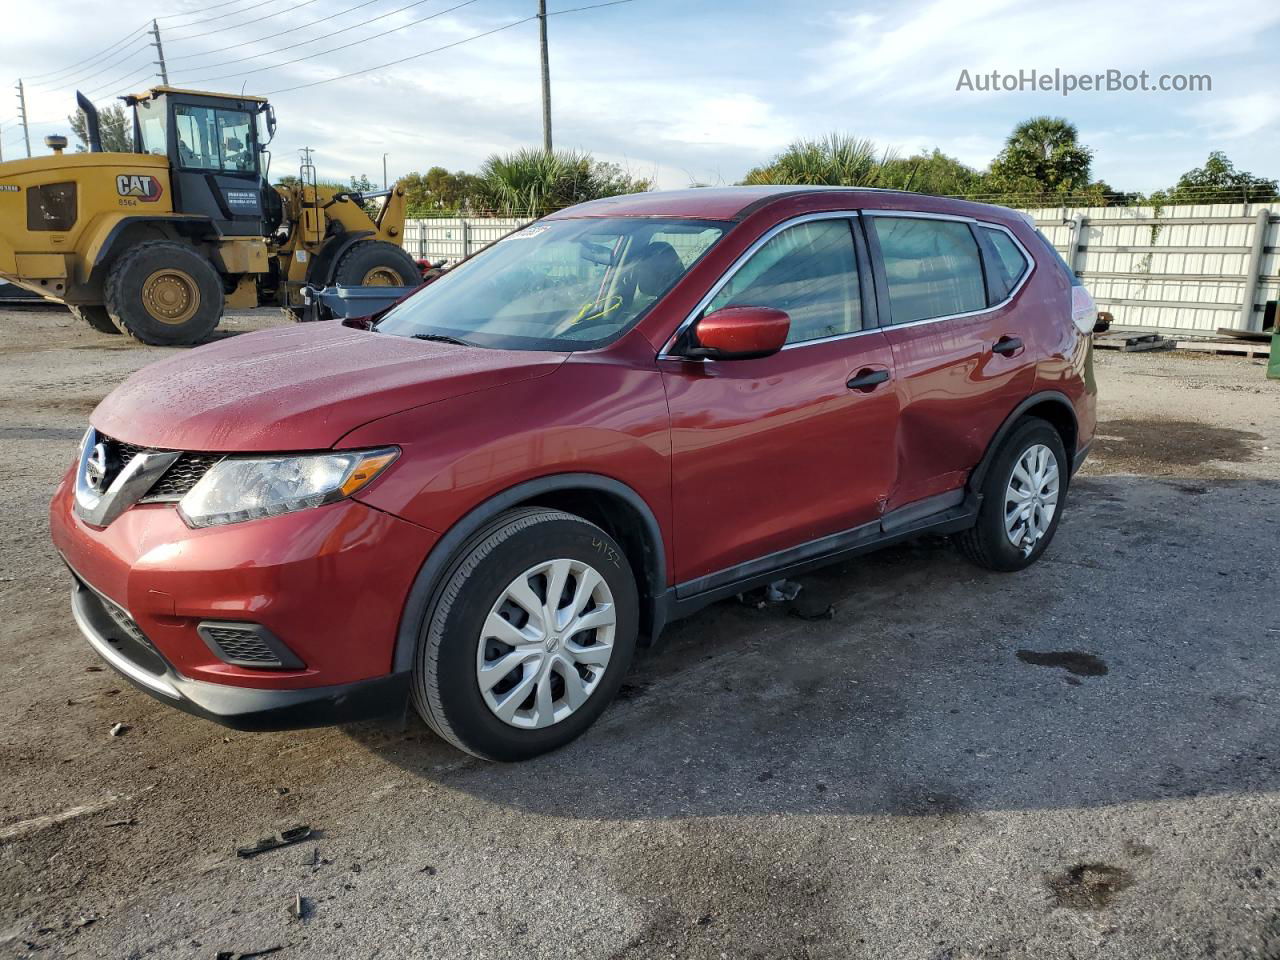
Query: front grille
[(176, 481), (242, 646), (119, 616), (182, 476)]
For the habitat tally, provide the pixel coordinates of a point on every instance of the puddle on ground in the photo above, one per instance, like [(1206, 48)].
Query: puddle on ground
[(1156, 446), (1088, 886), (1081, 664)]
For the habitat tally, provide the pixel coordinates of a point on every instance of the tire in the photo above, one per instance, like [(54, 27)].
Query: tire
[(457, 640), (95, 316), (373, 263), (164, 294), (988, 543)]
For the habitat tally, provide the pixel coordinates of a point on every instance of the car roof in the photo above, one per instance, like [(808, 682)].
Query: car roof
[(736, 203)]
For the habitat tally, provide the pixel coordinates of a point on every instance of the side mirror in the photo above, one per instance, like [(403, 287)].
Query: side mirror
[(1103, 323), (739, 333)]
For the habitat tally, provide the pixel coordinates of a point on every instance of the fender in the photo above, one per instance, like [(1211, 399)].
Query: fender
[(979, 473), (104, 234), (449, 548), (324, 263)]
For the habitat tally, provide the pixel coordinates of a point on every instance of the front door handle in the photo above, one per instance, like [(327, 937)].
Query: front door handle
[(867, 379), (1007, 346)]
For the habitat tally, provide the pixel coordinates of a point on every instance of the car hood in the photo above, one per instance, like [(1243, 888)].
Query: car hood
[(298, 388)]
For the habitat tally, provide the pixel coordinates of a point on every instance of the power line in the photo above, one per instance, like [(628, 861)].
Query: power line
[(100, 54), (245, 43), (447, 46), (216, 6), (321, 53), (245, 23), (64, 83)]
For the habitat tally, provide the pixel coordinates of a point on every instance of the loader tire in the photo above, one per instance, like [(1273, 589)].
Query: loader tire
[(164, 294), (95, 316), (374, 263)]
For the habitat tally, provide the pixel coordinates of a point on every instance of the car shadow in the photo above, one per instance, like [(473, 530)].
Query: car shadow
[(1101, 675)]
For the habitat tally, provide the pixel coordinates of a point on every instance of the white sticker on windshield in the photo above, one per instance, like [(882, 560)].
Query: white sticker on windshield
[(528, 233)]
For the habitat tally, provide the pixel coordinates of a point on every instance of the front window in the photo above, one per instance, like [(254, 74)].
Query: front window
[(213, 139), (558, 284), (151, 121)]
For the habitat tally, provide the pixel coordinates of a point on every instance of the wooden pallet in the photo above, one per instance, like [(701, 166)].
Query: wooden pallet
[(1133, 342), (1232, 348)]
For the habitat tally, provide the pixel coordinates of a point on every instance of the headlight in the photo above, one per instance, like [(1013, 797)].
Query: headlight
[(246, 488)]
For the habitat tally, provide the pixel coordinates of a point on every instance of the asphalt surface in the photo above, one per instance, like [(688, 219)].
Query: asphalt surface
[(1080, 760)]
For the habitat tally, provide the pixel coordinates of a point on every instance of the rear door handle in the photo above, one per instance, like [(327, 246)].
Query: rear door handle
[(867, 379), (1007, 346)]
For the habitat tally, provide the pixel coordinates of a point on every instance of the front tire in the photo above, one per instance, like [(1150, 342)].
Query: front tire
[(529, 638), (374, 263), (1022, 499), (164, 294)]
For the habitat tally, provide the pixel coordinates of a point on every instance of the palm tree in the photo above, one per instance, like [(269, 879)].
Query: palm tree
[(531, 182), (836, 160)]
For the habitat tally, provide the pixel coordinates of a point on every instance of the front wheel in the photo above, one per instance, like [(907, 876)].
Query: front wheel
[(529, 638), (1022, 499), (374, 263)]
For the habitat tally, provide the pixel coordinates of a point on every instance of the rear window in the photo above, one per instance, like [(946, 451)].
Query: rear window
[(51, 207), (1066, 270), (1010, 263), (932, 267)]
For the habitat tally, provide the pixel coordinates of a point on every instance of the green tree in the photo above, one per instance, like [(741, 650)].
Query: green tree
[(933, 173), (114, 126), (532, 182), (1041, 157), (441, 193), (836, 160), (1218, 181)]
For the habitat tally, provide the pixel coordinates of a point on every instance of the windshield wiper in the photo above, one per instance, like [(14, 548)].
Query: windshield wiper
[(442, 338)]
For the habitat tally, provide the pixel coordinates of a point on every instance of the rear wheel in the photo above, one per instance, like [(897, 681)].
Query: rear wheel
[(373, 263), (164, 294), (530, 637), (96, 316), (1022, 499)]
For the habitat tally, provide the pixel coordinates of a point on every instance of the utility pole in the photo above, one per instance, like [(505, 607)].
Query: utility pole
[(164, 71), (22, 116), (384, 171), (546, 77)]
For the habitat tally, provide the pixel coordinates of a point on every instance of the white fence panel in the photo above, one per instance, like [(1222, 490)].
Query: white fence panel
[(1185, 269)]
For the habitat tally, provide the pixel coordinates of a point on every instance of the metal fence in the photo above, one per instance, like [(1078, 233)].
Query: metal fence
[(1185, 269)]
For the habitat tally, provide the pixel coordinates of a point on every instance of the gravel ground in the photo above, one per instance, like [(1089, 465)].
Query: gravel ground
[(1080, 760)]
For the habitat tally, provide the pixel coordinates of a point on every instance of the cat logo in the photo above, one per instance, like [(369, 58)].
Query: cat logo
[(138, 186)]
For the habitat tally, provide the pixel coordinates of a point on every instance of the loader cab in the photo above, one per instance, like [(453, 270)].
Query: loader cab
[(214, 146)]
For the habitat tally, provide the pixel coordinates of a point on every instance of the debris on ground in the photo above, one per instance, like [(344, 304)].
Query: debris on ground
[(246, 954), (120, 729), (298, 909), (282, 839), (130, 822)]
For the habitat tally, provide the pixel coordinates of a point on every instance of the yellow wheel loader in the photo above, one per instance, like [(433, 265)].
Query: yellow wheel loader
[(157, 242)]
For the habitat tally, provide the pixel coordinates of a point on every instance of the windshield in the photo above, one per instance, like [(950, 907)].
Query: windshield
[(557, 284)]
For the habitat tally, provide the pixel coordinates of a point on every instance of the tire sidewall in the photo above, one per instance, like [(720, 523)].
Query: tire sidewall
[(456, 629), (125, 298), (991, 520)]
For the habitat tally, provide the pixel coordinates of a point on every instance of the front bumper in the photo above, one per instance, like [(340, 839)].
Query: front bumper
[(329, 583), (242, 708)]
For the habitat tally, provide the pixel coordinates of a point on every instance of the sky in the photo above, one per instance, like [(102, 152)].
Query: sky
[(679, 91)]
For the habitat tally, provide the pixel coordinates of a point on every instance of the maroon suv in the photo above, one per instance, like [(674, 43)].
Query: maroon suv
[(607, 420)]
